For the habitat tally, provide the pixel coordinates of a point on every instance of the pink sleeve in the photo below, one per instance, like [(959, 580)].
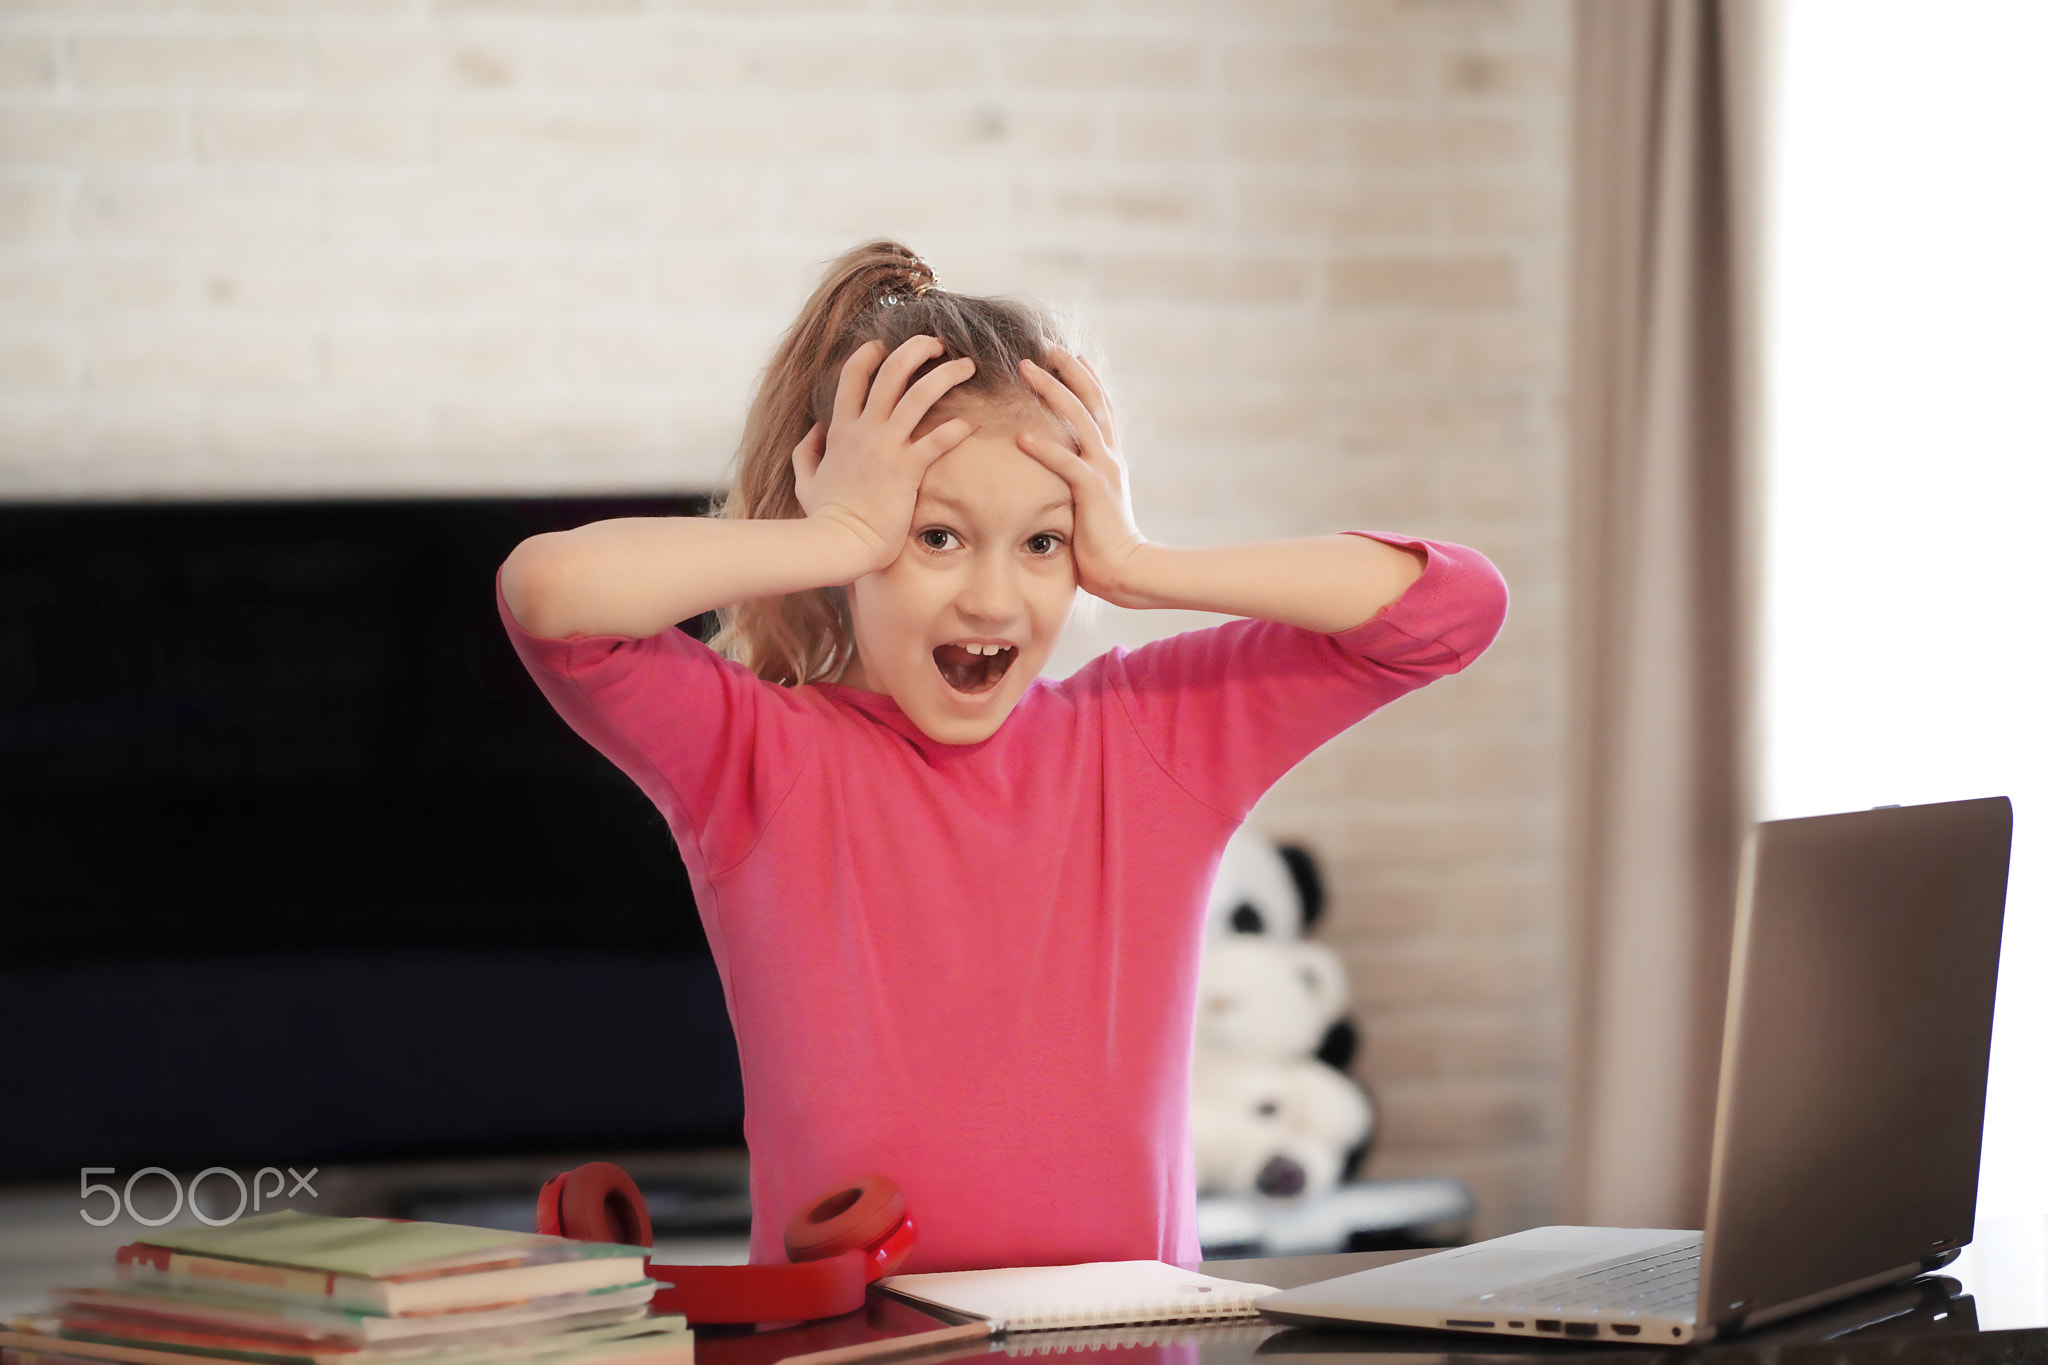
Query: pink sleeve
[(1226, 711), (714, 747)]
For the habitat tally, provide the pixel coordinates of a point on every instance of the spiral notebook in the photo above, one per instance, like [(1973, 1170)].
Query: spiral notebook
[(1098, 1294), (1247, 1332)]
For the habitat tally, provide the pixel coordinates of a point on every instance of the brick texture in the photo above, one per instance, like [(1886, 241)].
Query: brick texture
[(380, 246)]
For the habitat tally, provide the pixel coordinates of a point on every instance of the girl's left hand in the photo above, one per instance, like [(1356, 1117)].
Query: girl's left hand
[(1106, 536)]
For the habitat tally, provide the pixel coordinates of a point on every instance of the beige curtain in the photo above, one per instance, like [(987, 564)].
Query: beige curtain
[(1663, 405)]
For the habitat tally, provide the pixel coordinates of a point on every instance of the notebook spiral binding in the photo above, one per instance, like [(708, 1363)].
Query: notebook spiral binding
[(1134, 1312), (1065, 1340)]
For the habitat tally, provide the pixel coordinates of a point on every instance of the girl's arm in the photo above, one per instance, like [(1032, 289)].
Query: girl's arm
[(1326, 583), (637, 576)]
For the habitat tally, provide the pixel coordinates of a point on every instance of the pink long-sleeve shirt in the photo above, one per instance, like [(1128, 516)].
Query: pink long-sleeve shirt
[(972, 967)]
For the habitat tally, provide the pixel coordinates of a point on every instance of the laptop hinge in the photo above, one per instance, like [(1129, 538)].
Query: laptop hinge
[(1744, 1322)]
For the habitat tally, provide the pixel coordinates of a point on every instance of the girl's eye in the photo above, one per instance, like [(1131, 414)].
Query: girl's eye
[(1044, 543), (936, 539)]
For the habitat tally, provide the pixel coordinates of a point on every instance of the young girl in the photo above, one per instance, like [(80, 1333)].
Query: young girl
[(957, 909)]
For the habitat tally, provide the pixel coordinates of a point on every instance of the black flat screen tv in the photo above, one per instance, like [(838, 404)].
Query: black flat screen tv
[(300, 865)]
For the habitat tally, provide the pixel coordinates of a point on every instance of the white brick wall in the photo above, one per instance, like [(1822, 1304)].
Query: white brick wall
[(249, 246)]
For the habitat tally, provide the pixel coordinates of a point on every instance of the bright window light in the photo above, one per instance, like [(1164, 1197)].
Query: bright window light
[(1906, 598)]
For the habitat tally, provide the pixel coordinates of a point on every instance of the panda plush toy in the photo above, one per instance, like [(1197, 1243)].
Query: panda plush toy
[(1274, 1112)]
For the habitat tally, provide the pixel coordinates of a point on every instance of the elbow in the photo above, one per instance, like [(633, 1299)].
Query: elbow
[(1466, 605), (1488, 608), (528, 579)]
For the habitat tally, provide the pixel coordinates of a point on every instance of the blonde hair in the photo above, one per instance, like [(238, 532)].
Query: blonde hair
[(879, 291)]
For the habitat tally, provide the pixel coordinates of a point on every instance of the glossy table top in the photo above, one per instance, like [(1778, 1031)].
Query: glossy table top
[(1989, 1308)]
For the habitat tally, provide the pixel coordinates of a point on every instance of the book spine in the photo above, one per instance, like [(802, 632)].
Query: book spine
[(15, 1355), (49, 1348), (144, 1264)]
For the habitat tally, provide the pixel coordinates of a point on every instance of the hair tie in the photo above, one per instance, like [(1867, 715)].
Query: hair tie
[(923, 279)]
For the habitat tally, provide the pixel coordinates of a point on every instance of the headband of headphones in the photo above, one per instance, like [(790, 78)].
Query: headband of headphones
[(837, 1244)]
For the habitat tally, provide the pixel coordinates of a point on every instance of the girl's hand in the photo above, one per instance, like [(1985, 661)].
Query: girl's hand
[(864, 472), (1106, 536)]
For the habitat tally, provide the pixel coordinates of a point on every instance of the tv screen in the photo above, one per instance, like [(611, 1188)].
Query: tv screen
[(301, 865)]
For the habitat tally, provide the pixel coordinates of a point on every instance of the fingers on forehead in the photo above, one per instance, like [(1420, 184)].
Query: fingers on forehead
[(1069, 433), (1058, 394), (1040, 443), (927, 391)]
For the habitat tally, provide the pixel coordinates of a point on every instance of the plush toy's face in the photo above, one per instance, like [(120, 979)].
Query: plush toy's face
[(1275, 1130), (1259, 998)]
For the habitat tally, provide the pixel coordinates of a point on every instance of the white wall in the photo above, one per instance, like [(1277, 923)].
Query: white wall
[(1908, 569)]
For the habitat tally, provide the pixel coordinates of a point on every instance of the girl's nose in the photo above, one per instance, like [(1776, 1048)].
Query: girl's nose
[(992, 593)]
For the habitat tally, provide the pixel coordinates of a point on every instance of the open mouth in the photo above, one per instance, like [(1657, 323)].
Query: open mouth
[(973, 668)]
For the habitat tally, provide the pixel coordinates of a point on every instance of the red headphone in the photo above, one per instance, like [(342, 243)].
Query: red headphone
[(837, 1244)]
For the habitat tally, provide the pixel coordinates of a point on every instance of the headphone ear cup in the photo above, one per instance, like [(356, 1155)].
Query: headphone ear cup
[(547, 1213), (851, 1219), (598, 1202)]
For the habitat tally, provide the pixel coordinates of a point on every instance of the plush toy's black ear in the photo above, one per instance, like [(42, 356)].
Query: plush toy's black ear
[(1339, 1045), (1308, 882)]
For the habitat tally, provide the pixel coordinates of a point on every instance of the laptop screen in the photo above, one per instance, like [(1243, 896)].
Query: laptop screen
[(1856, 1050)]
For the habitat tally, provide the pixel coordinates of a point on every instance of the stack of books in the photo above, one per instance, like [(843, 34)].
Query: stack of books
[(297, 1289)]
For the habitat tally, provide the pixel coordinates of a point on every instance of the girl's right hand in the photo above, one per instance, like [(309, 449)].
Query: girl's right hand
[(864, 472)]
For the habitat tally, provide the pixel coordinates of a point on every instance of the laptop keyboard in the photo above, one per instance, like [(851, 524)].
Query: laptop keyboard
[(1657, 1283)]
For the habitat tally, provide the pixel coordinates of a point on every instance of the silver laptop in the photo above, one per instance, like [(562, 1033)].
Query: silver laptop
[(1849, 1119)]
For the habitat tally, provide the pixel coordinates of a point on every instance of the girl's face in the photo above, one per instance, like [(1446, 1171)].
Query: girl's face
[(961, 623)]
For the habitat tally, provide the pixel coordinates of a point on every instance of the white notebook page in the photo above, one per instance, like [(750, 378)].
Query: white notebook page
[(1097, 1294)]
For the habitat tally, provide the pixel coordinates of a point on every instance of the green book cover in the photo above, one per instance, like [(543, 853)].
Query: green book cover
[(372, 1247)]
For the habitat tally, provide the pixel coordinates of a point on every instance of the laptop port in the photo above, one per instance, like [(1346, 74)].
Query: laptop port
[(1625, 1329), (1582, 1329), (1549, 1325), (1514, 1324), (1468, 1322)]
